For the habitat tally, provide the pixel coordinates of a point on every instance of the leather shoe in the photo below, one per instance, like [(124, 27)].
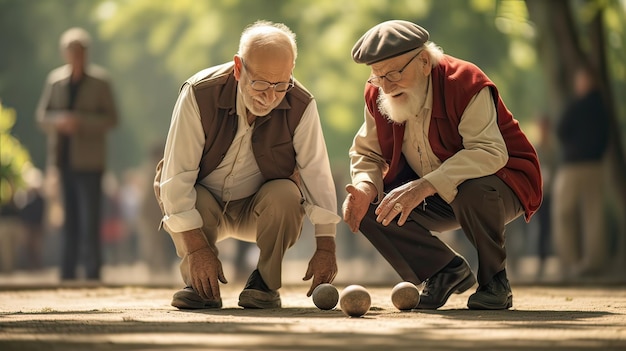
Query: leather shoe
[(439, 287), (256, 294), (189, 299), (495, 295)]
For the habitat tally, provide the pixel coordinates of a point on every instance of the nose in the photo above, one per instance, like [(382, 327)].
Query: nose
[(270, 95), (386, 85)]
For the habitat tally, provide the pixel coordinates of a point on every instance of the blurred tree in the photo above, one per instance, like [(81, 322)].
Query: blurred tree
[(14, 158), (571, 33), (151, 46), (181, 38)]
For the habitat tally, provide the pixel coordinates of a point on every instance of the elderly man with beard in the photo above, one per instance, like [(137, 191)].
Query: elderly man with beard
[(438, 151)]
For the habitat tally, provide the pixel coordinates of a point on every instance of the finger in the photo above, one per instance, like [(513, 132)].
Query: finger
[(355, 226), (309, 274), (314, 284), (347, 210), (403, 218), (383, 207), (214, 288), (351, 188), (391, 214), (349, 218), (383, 212), (352, 223), (199, 288), (334, 275), (221, 276), (310, 292)]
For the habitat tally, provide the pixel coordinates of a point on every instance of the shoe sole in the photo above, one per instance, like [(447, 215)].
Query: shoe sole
[(478, 305), (460, 288), (250, 298)]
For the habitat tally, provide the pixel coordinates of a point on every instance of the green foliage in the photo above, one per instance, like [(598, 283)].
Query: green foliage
[(14, 158), (151, 46)]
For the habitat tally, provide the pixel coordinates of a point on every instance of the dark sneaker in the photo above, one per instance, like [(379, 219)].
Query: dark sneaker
[(496, 295), (439, 287), (256, 294), (188, 299)]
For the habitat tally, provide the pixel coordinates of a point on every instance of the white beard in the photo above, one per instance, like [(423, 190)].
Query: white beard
[(399, 112)]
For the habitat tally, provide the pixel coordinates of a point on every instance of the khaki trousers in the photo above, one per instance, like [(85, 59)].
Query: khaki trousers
[(481, 208), (272, 218), (579, 228)]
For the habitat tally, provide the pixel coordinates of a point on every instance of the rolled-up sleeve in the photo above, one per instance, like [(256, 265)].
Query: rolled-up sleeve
[(183, 151), (317, 184)]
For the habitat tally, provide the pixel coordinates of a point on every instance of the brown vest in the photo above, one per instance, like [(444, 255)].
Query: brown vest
[(215, 90), (272, 138)]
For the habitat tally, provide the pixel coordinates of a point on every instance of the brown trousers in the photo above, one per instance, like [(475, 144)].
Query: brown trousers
[(481, 208), (272, 218)]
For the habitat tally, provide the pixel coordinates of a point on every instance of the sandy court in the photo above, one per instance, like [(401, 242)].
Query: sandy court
[(140, 318)]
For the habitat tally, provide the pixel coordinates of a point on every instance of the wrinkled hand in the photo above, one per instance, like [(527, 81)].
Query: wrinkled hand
[(205, 270), (402, 200), (323, 265), (355, 206)]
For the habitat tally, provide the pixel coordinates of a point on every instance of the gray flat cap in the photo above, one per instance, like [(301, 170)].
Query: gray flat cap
[(387, 40)]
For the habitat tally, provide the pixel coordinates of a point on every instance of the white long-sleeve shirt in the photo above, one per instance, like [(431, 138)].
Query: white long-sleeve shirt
[(238, 175)]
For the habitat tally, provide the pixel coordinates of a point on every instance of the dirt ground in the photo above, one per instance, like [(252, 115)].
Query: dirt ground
[(140, 318)]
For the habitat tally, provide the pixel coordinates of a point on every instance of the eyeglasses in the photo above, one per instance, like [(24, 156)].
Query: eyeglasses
[(261, 85), (392, 76)]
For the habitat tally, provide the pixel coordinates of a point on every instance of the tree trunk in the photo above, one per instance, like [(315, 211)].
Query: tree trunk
[(557, 49), (615, 156)]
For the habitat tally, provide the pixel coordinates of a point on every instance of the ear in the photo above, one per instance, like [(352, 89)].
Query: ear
[(425, 63), (238, 66)]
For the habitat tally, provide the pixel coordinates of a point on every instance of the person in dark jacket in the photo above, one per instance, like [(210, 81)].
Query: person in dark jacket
[(579, 228)]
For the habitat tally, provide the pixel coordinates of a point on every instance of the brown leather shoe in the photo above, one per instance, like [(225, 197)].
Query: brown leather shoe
[(256, 294), (439, 287), (188, 299), (495, 295)]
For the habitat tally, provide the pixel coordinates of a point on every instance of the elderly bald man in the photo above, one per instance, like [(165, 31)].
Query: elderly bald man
[(438, 151), (245, 158)]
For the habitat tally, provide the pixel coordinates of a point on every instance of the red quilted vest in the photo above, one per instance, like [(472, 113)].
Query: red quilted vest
[(455, 82)]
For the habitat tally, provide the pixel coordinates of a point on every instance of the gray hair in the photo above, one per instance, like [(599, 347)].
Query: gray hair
[(434, 51), (264, 33), (74, 36)]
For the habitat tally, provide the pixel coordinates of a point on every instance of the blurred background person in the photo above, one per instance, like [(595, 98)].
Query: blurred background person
[(579, 227), (77, 110)]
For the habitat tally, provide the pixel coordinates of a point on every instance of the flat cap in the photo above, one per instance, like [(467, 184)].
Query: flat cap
[(387, 40)]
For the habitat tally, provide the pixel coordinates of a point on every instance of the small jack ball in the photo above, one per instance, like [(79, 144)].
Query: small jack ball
[(405, 296), (325, 296), (355, 301)]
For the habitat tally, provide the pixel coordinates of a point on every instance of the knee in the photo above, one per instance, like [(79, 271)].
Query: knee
[(281, 195), (477, 195)]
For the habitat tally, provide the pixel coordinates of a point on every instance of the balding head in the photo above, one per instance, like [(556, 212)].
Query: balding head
[(267, 38)]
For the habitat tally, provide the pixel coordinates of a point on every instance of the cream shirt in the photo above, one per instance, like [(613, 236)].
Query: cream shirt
[(238, 175), (484, 150)]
